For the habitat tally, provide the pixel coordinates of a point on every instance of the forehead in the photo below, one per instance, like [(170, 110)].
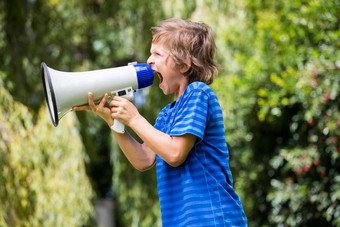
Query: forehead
[(158, 47)]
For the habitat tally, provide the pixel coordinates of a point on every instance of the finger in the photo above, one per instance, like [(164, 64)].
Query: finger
[(80, 108), (118, 98), (111, 104), (103, 100), (114, 109), (90, 99), (115, 102), (114, 115)]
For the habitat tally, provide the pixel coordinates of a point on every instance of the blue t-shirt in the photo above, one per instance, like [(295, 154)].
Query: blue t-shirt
[(199, 192)]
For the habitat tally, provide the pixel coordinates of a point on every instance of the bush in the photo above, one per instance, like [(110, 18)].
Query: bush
[(42, 174), (281, 98)]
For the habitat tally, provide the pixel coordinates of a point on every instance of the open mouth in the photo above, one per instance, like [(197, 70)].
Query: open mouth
[(160, 78)]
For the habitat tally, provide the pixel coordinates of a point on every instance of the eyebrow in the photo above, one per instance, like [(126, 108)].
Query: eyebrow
[(160, 50), (157, 52)]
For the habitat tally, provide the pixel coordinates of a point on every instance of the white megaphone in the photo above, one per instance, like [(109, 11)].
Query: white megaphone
[(63, 90)]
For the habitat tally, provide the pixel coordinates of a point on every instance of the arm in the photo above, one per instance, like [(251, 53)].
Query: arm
[(140, 156), (172, 149)]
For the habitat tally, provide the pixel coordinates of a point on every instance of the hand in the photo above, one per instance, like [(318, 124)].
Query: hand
[(101, 108), (123, 110)]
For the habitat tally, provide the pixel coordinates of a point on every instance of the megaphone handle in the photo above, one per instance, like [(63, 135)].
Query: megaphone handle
[(128, 94), (118, 126)]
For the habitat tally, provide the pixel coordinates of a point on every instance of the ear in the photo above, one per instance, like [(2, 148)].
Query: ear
[(186, 66)]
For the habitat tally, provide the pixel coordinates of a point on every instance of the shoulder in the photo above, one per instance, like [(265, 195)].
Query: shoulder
[(203, 95), (200, 89), (198, 96), (198, 86)]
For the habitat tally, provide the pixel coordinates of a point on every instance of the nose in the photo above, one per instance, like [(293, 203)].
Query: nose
[(150, 60)]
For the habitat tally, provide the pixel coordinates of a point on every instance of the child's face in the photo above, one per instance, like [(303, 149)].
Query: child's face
[(171, 80)]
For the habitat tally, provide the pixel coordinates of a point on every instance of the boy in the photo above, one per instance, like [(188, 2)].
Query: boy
[(187, 142)]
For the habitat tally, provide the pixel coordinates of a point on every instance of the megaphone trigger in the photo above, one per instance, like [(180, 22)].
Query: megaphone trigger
[(125, 93)]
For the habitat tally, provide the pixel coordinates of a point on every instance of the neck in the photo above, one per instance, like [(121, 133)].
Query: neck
[(181, 90)]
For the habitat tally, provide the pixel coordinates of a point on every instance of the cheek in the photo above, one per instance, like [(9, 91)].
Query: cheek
[(171, 65)]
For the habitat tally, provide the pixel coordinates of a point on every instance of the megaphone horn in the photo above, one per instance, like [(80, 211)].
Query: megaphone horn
[(63, 90)]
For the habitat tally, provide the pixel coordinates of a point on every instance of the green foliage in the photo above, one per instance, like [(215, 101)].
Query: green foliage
[(136, 193), (278, 86), (282, 111), (313, 162), (76, 36), (43, 177)]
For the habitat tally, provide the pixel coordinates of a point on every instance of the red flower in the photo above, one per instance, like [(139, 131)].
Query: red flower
[(306, 168), (311, 122), (313, 83), (316, 162), (325, 97), (322, 173), (315, 73), (325, 115)]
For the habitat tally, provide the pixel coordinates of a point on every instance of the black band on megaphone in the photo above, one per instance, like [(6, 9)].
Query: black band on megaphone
[(51, 109)]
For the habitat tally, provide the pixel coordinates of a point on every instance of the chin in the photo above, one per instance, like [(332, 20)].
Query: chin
[(165, 92)]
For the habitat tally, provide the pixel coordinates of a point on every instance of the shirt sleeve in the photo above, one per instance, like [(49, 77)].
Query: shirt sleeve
[(158, 122), (192, 114)]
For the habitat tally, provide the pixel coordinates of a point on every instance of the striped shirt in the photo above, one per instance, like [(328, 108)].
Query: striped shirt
[(199, 192)]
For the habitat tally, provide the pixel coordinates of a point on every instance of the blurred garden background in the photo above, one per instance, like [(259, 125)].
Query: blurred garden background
[(279, 85)]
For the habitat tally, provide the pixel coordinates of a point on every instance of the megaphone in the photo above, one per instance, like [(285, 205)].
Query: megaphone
[(63, 90)]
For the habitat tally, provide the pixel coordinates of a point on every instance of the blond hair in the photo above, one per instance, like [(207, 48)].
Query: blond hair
[(188, 40)]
